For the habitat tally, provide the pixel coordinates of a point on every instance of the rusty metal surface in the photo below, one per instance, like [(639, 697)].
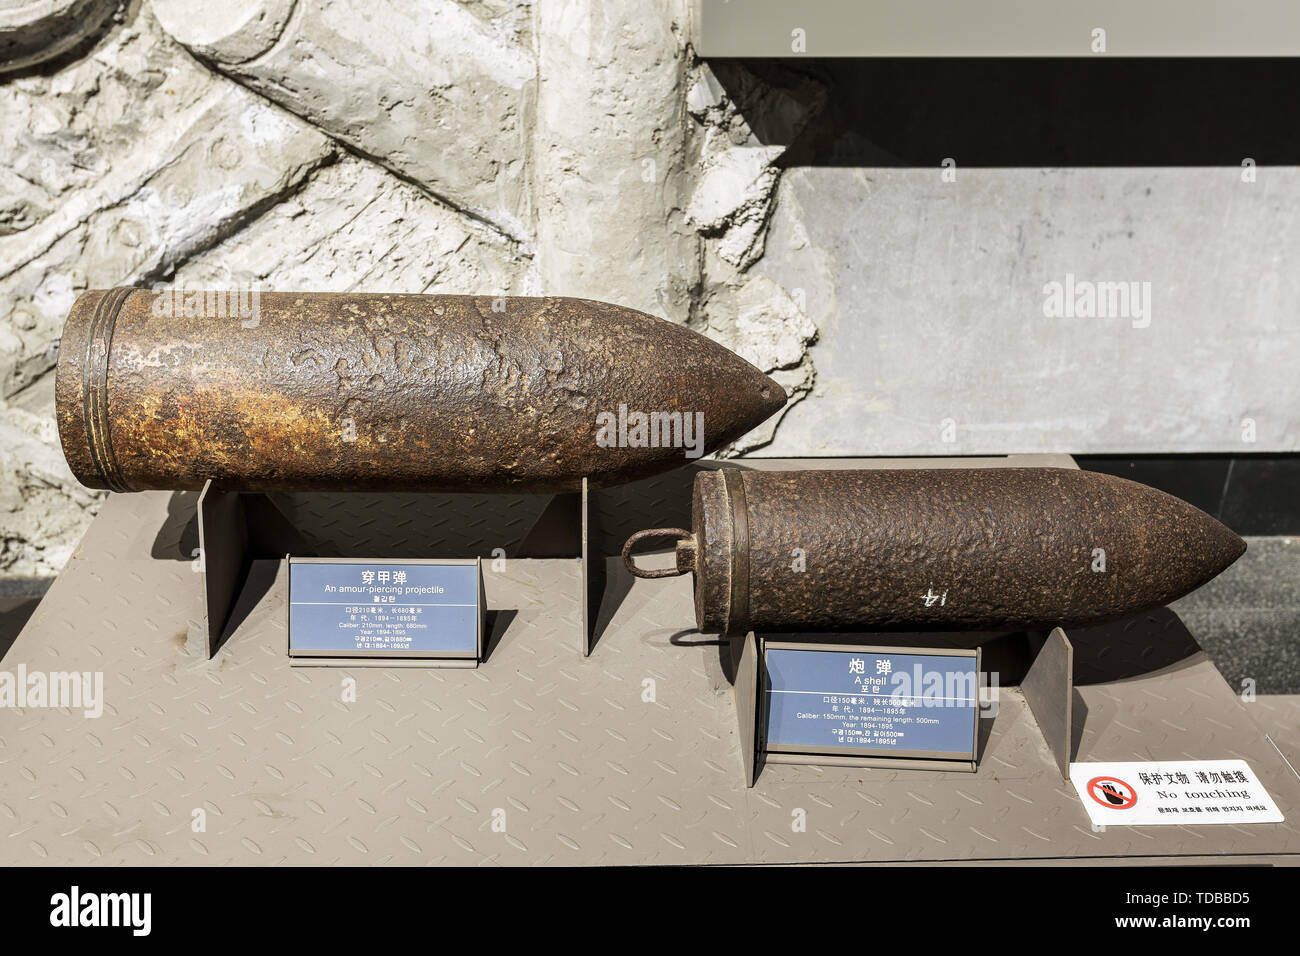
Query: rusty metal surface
[(356, 392), (944, 549)]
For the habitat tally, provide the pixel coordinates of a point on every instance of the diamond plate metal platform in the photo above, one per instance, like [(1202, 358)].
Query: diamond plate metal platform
[(540, 756)]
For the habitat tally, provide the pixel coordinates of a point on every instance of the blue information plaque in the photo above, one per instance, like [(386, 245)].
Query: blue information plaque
[(355, 608), (871, 701)]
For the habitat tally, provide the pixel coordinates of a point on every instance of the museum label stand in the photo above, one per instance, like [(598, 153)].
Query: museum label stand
[(236, 528), (1048, 689)]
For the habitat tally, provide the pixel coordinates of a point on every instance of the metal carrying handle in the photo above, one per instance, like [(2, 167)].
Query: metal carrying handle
[(681, 534)]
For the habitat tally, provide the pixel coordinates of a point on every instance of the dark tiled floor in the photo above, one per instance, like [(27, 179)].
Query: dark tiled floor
[(18, 600), (1251, 494), (1248, 618)]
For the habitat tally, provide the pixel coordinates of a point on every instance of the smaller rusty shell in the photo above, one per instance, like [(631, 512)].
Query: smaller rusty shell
[(938, 549)]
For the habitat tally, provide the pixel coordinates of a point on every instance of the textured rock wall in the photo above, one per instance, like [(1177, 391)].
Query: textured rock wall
[(488, 146)]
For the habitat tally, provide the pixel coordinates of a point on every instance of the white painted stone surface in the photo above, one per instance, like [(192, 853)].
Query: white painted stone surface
[(423, 87), (33, 32), (610, 153)]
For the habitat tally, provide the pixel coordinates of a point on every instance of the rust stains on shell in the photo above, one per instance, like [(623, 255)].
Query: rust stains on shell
[(940, 549), (353, 391)]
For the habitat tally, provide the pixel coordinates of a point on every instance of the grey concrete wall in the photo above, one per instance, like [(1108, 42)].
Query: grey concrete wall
[(939, 330)]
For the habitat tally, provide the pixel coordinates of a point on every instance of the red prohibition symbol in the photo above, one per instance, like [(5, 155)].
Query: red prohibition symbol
[(1112, 793)]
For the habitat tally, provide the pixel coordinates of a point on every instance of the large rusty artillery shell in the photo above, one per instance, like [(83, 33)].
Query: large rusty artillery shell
[(942, 549), (350, 391)]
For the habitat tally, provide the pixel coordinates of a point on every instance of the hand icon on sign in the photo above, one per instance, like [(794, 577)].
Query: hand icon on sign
[(1112, 795)]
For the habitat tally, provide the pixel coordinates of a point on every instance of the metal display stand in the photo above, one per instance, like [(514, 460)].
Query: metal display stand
[(1049, 692), (237, 528), (541, 755), (1048, 688)]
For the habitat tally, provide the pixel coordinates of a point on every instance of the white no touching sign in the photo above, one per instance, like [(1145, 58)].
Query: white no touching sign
[(1179, 792)]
